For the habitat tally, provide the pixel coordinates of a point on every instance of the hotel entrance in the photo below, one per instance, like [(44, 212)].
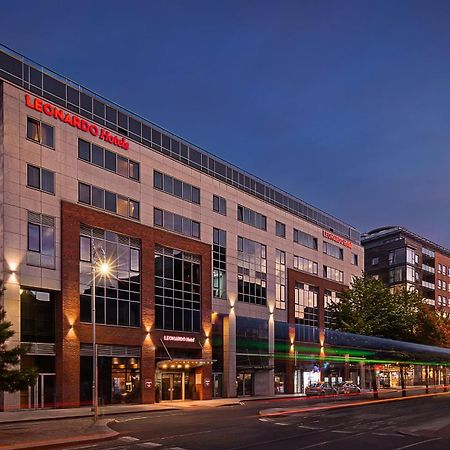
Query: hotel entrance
[(174, 386)]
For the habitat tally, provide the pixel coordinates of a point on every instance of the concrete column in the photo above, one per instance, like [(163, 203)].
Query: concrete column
[(263, 383), (271, 381), (229, 355), (362, 375)]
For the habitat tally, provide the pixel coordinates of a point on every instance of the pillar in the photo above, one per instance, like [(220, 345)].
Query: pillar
[(229, 355)]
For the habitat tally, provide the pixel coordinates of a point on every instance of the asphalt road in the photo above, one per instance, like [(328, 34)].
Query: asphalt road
[(415, 423)]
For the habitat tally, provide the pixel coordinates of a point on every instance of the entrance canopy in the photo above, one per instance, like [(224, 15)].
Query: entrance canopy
[(182, 363)]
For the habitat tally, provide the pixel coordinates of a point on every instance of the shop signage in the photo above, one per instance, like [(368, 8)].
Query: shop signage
[(172, 338), (77, 122), (338, 239), (148, 384)]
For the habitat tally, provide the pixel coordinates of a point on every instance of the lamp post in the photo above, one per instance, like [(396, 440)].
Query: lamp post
[(103, 269)]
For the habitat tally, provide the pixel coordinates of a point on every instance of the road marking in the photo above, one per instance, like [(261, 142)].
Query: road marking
[(128, 438), (264, 420), (342, 431), (177, 448), (129, 419), (309, 428), (281, 423), (389, 434), (417, 443), (150, 444), (186, 434), (333, 441)]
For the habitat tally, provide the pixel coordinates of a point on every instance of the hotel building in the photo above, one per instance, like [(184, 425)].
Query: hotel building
[(215, 277)]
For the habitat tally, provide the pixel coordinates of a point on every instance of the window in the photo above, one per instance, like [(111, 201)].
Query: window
[(305, 239), (280, 276), (41, 179), (117, 296), (280, 229), (333, 250), (40, 132), (108, 160), (444, 270), (439, 283), (178, 188), (109, 201), (219, 263), (41, 240), (410, 256), (252, 272), (329, 299), (220, 205), (375, 261), (333, 274), (305, 310), (439, 268), (306, 265), (444, 285), (174, 222), (396, 275), (354, 259), (251, 217), (397, 256), (411, 274), (177, 290)]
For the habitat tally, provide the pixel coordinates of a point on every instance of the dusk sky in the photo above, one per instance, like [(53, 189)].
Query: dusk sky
[(345, 104)]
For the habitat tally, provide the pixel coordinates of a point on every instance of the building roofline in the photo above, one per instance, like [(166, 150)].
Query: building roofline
[(376, 233), (81, 88)]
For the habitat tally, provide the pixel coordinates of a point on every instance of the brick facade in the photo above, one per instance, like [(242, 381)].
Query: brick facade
[(145, 337)]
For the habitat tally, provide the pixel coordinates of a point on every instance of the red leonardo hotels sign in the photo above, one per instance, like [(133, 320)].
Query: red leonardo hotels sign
[(77, 122), (338, 239)]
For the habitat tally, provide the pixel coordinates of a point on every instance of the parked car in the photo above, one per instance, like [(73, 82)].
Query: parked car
[(320, 389), (348, 388)]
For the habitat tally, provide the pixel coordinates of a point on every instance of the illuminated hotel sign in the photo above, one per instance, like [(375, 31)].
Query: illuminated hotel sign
[(77, 122), (338, 239), (171, 338)]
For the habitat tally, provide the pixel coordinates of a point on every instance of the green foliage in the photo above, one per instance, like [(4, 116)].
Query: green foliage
[(12, 379), (369, 308)]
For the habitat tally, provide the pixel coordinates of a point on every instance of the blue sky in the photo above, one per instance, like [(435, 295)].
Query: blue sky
[(345, 104)]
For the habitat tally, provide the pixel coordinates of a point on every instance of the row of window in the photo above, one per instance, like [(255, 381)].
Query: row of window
[(442, 284), (443, 269), (108, 201), (174, 222), (251, 217), (178, 188), (442, 301), (108, 160)]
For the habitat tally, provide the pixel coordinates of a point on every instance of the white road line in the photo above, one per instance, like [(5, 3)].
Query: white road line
[(418, 443), (389, 434), (264, 420), (177, 448), (309, 428), (150, 444), (129, 419), (342, 431), (128, 438), (186, 434), (280, 423)]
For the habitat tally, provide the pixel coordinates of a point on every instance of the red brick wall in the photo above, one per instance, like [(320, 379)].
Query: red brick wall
[(68, 340)]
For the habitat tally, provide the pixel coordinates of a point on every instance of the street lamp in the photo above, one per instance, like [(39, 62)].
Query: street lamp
[(101, 267)]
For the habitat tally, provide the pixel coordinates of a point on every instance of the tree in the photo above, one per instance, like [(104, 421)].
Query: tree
[(369, 308), (12, 379)]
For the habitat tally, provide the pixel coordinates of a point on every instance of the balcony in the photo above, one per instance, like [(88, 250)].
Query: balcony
[(427, 268), (428, 285), (427, 252)]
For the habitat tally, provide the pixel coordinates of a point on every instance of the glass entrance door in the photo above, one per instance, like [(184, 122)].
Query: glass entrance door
[(245, 384), (172, 386), (42, 394)]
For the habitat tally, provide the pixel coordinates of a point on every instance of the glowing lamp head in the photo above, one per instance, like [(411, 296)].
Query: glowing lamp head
[(104, 268)]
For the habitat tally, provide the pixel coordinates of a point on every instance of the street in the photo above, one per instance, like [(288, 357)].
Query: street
[(415, 423)]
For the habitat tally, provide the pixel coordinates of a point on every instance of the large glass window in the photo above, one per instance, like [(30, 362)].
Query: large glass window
[(397, 256), (117, 295), (220, 205), (177, 290), (40, 132), (280, 276), (329, 299), (280, 229), (305, 239), (333, 250), (118, 204), (219, 263), (41, 179), (251, 217), (333, 274), (37, 316), (174, 222), (306, 311), (108, 160), (252, 271), (41, 240), (306, 265), (178, 188)]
